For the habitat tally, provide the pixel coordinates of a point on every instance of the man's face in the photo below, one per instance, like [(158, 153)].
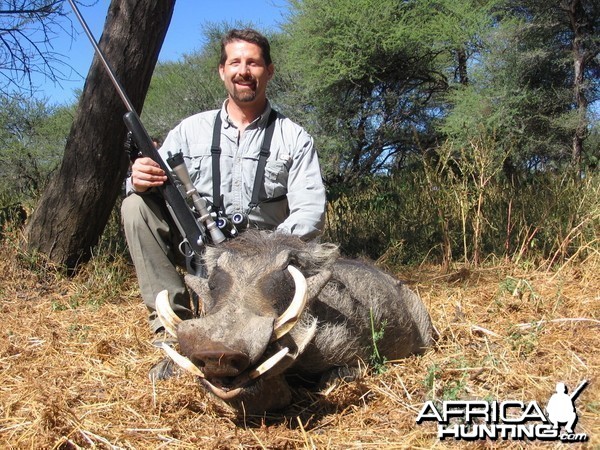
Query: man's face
[(245, 72)]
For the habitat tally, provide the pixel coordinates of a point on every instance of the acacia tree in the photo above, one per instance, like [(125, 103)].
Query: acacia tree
[(558, 45), (583, 17), (366, 79), (375, 82), (77, 202), (26, 31)]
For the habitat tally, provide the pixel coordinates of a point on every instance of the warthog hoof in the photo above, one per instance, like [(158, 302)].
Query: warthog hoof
[(163, 370)]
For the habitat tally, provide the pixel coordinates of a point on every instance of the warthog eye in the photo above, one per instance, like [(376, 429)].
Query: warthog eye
[(278, 288), (219, 283)]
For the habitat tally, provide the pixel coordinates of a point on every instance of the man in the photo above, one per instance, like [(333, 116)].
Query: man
[(291, 198)]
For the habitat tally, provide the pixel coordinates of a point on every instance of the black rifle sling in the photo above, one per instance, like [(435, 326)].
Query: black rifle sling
[(215, 151), (265, 151)]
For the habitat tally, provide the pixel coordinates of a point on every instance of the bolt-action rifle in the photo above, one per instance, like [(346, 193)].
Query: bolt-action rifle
[(193, 230)]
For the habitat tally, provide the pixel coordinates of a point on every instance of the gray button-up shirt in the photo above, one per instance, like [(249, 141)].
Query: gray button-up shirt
[(292, 172)]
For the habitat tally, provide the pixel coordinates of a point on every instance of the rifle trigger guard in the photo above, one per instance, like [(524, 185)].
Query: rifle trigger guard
[(185, 248)]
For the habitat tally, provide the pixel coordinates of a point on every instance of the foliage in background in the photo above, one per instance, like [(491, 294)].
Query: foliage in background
[(183, 88), (365, 80), (379, 87), (461, 208), (32, 139)]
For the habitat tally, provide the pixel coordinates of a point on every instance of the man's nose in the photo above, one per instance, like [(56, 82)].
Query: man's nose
[(244, 69)]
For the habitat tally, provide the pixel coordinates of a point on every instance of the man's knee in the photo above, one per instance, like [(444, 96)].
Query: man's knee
[(145, 217), (136, 209), (130, 205)]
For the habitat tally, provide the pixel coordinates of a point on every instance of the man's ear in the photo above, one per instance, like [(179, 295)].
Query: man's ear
[(221, 72), (271, 70)]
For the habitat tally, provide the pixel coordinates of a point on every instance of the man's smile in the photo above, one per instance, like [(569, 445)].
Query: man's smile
[(246, 83)]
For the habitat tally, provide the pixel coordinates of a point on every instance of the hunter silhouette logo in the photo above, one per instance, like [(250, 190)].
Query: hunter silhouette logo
[(508, 420), (561, 406)]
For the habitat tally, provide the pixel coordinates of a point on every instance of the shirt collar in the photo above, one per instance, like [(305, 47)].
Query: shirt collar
[(259, 122)]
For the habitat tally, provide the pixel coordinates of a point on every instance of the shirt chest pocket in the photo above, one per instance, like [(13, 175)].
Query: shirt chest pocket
[(276, 179), (200, 168)]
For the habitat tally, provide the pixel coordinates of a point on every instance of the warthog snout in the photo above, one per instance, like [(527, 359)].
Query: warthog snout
[(218, 360)]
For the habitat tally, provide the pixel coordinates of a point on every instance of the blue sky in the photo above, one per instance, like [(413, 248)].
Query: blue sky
[(183, 37)]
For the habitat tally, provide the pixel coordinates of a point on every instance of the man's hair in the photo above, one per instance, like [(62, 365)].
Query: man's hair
[(247, 35)]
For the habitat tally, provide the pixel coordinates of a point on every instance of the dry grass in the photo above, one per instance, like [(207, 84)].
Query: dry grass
[(73, 370)]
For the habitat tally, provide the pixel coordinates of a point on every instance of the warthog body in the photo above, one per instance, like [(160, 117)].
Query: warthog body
[(250, 286)]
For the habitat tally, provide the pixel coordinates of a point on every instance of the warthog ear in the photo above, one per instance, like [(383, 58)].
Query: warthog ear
[(314, 258), (197, 284)]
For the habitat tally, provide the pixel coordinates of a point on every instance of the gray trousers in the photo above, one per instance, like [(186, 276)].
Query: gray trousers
[(153, 240)]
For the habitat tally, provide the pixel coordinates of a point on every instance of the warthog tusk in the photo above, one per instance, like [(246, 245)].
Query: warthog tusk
[(165, 313), (268, 364), (186, 364), (221, 393), (182, 361), (290, 316), (244, 379), (189, 366)]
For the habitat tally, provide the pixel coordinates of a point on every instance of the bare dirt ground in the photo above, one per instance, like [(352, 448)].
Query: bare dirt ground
[(74, 357)]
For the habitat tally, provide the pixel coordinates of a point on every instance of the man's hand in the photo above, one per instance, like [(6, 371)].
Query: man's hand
[(146, 173)]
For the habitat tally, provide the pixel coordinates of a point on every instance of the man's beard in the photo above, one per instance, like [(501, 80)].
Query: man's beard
[(245, 94)]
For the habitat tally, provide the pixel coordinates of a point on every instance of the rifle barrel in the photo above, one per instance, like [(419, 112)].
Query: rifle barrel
[(109, 70)]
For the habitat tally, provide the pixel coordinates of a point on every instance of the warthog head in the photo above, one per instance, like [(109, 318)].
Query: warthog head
[(274, 304)]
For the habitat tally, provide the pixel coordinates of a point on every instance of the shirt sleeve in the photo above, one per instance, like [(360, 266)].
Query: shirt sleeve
[(172, 142), (306, 192)]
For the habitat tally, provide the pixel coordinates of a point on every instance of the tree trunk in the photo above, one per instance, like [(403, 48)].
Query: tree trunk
[(580, 24), (580, 132), (77, 202), (462, 62)]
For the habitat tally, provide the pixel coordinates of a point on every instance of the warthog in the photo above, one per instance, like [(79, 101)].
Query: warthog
[(274, 305)]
